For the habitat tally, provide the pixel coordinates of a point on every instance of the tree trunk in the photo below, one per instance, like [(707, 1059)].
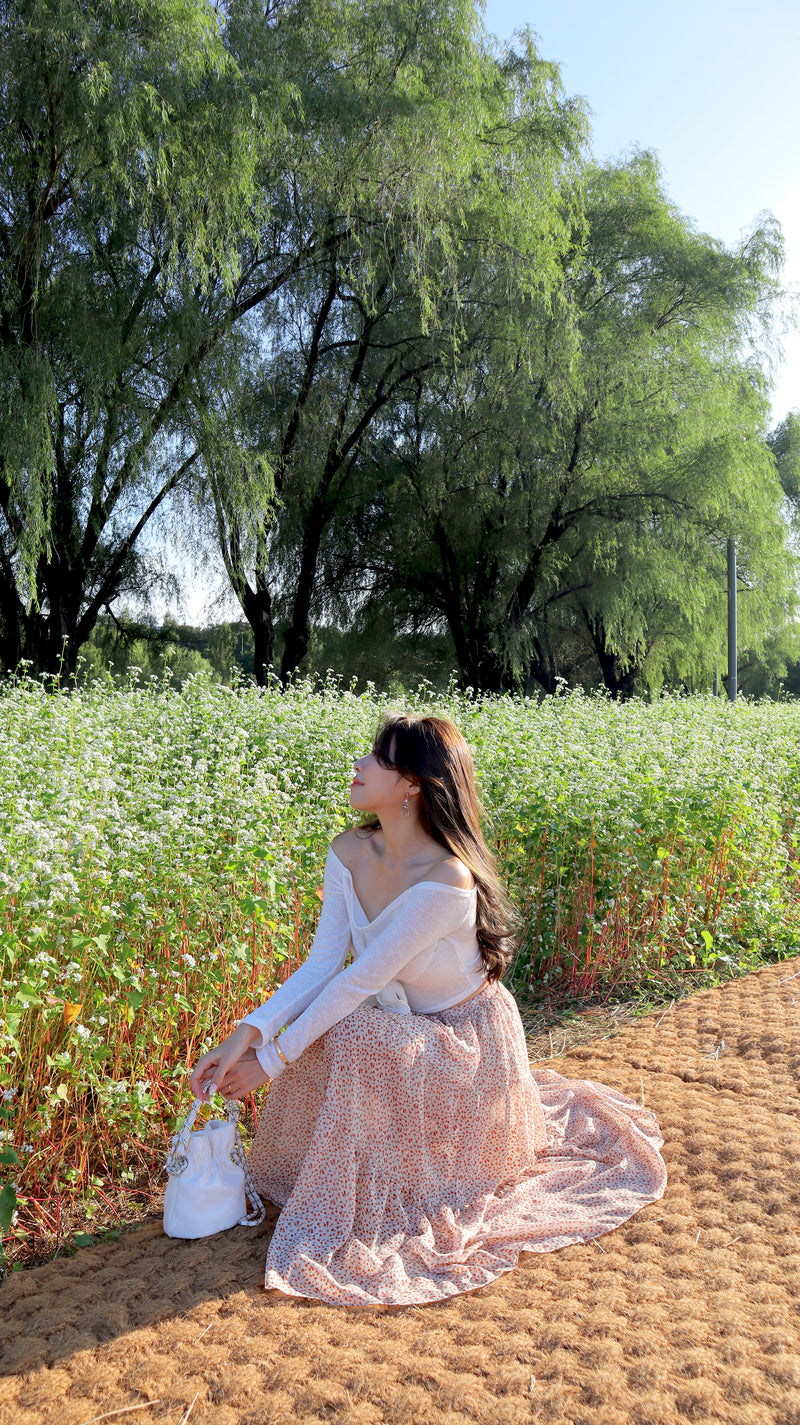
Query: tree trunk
[(619, 680), (51, 642), (296, 638), (257, 608), (46, 637), (12, 623), (542, 668), (491, 675)]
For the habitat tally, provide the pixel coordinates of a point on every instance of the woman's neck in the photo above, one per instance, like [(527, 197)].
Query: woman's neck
[(402, 843)]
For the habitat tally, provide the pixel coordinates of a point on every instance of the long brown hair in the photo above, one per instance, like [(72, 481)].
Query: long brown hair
[(433, 753)]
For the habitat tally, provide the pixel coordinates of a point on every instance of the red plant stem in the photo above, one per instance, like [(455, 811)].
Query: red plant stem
[(541, 886), (591, 899), (44, 1215)]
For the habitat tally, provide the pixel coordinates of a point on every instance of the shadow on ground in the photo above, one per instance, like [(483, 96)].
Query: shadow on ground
[(689, 1312)]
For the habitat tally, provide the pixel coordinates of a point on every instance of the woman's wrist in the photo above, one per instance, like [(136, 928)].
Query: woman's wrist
[(270, 1060), (246, 1034)]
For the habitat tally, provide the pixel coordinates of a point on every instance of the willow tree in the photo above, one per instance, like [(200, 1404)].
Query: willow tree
[(415, 149), (578, 480), (129, 186)]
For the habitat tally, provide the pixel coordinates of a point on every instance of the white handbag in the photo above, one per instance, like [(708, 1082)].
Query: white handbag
[(208, 1175)]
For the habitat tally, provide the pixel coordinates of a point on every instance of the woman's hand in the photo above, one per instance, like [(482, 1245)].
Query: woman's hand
[(212, 1070), (245, 1076)]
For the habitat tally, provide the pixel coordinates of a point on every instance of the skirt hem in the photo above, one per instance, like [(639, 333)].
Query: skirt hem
[(415, 1157)]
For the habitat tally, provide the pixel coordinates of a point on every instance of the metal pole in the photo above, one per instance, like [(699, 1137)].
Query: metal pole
[(732, 658)]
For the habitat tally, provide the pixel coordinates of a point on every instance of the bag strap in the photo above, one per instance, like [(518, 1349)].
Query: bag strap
[(178, 1158), (258, 1211)]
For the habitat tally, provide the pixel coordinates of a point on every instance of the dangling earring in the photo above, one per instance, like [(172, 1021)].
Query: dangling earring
[(405, 809)]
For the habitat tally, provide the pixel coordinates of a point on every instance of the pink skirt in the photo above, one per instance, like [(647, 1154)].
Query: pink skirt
[(416, 1156)]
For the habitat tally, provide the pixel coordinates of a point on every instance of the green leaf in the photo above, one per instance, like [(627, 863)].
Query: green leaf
[(8, 1203), (27, 995), (8, 1158)]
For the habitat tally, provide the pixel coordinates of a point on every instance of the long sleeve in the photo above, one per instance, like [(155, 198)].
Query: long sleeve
[(432, 912), (328, 952)]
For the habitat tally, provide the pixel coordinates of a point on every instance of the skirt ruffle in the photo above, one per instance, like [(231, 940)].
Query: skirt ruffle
[(416, 1156)]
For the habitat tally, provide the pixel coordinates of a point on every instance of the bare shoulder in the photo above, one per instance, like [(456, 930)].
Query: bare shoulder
[(348, 847), (452, 872)]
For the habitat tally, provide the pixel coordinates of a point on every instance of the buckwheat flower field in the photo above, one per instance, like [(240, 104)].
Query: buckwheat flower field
[(161, 860)]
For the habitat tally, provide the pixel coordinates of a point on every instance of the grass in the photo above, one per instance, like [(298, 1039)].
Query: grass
[(161, 857)]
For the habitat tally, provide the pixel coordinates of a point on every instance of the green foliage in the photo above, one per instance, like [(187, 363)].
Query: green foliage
[(130, 148), (117, 648), (336, 285), (784, 443), (466, 154), (172, 651), (162, 859), (379, 657), (574, 480)]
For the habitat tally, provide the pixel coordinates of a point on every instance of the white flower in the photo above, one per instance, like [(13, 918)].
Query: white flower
[(82, 1032)]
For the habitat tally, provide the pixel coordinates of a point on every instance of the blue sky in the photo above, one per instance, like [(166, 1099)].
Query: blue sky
[(712, 88)]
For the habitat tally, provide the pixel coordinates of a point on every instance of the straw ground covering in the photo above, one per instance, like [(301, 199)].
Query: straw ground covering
[(160, 861), (690, 1312)]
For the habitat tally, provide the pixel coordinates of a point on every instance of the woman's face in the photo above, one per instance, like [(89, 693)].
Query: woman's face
[(375, 787)]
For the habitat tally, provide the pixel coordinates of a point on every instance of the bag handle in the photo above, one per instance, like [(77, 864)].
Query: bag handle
[(178, 1158)]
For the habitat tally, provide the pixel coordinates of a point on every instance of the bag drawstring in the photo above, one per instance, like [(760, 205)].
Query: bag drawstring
[(178, 1161)]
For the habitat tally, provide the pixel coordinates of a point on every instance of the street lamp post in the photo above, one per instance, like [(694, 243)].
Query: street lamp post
[(732, 658)]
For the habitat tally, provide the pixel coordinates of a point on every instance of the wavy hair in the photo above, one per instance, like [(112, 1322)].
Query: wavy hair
[(431, 752)]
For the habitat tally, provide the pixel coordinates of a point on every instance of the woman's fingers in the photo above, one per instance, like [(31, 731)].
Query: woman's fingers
[(206, 1075), (225, 1080), (199, 1076), (233, 1077), (246, 1076), (210, 1073)]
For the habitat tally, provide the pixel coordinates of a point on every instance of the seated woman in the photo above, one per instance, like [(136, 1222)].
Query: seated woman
[(413, 1151)]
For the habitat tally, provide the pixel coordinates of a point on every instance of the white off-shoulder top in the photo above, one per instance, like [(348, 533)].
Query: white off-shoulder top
[(420, 955)]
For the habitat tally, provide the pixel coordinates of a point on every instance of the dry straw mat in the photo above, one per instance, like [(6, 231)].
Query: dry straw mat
[(688, 1312)]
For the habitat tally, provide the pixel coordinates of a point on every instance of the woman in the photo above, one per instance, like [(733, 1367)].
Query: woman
[(413, 1152)]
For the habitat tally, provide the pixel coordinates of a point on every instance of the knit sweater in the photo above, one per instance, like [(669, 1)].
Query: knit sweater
[(420, 956)]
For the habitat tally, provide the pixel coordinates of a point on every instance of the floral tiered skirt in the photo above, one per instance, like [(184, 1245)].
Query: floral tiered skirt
[(416, 1157)]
